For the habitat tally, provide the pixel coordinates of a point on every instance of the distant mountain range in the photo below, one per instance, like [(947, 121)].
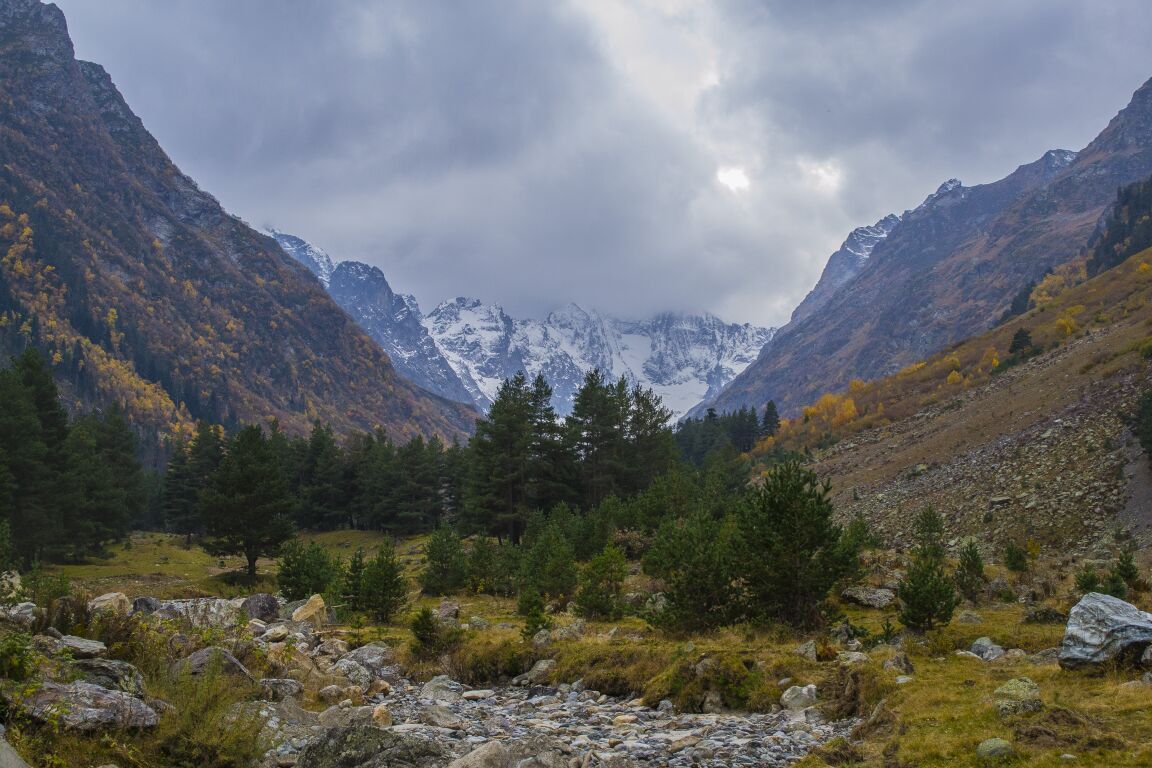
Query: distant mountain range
[(142, 290), (463, 349), (915, 283)]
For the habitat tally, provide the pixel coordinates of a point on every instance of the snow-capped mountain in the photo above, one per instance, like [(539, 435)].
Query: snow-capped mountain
[(464, 348), (684, 358), (316, 260)]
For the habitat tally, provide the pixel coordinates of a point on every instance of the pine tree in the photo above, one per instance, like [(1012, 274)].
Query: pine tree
[(354, 580), (245, 508), (549, 567), (496, 500), (305, 570), (322, 503), (384, 587), (596, 437), (695, 556), (970, 572), (791, 555), (32, 507), (444, 565), (770, 424), (600, 585), (927, 595), (651, 446)]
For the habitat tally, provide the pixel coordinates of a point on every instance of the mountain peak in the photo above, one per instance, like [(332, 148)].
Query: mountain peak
[(318, 262)]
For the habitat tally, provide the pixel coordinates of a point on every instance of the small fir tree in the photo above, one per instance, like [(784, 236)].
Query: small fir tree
[(1114, 584), (1126, 568), (770, 424), (549, 566), (970, 572), (1087, 580), (444, 564), (1015, 557), (1021, 342), (927, 595), (305, 570), (531, 607), (384, 587), (354, 580), (598, 595)]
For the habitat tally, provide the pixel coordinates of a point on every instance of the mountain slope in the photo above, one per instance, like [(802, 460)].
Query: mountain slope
[(950, 268), (143, 289)]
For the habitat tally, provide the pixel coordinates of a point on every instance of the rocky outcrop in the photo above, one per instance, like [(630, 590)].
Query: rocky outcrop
[(1103, 629), (370, 747), (83, 706)]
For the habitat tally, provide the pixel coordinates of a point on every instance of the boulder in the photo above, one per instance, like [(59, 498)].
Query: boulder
[(440, 717), (900, 663), (542, 639), (478, 694), (111, 674), (275, 634), (448, 612), (370, 747), (21, 614), (213, 657), (381, 717), (111, 602), (1102, 629), (356, 673), (83, 706), (798, 697), (344, 715), (994, 748), (374, 657), (530, 752), (313, 611), (1017, 697), (201, 613), (441, 689), (261, 606), (280, 688), (987, 649), (82, 647), (869, 597), (330, 694), (573, 631), (540, 673), (807, 650), (145, 605)]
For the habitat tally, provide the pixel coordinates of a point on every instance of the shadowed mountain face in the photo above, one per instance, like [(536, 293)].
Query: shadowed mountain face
[(948, 269), (143, 289)]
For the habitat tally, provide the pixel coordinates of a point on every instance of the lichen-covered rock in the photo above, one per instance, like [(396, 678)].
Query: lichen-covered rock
[(373, 657), (798, 697), (202, 613), (112, 602), (83, 706), (280, 688), (211, 658), (111, 674), (441, 689), (540, 673), (22, 614), (313, 611), (370, 747), (870, 597), (345, 715), (1101, 629), (355, 673), (994, 748)]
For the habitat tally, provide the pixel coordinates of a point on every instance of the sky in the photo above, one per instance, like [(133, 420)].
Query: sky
[(632, 156)]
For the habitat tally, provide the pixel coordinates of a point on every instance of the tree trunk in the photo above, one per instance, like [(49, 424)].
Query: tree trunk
[(252, 557)]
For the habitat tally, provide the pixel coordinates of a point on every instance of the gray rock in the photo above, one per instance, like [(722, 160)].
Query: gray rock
[(870, 597), (356, 673), (807, 650), (656, 604), (261, 606), (112, 602), (798, 697), (280, 688), (343, 715), (987, 649), (83, 706), (448, 612), (111, 674), (21, 614), (9, 758), (900, 663), (969, 617), (532, 752), (202, 613), (82, 647), (1101, 629), (373, 657), (993, 748), (540, 673), (542, 639), (145, 605), (213, 657), (370, 747), (441, 689), (440, 717)]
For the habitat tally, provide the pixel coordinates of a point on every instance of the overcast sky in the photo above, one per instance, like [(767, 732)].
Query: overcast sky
[(629, 155)]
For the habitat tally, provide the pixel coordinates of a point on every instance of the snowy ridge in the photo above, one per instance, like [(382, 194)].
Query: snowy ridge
[(683, 358), (464, 349)]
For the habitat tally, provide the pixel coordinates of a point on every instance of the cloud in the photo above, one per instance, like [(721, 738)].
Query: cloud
[(534, 153)]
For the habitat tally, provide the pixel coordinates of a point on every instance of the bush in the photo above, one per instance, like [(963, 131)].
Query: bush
[(601, 582), (1015, 557), (306, 570), (970, 572), (444, 565), (16, 657), (384, 588), (927, 595), (492, 568), (1114, 585), (205, 727)]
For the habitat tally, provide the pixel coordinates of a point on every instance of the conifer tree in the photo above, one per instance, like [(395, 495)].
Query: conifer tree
[(600, 584), (770, 424), (970, 572), (445, 568), (384, 588), (497, 481), (928, 597), (245, 508), (322, 504)]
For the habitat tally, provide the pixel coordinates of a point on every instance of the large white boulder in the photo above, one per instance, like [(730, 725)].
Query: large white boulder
[(1102, 628)]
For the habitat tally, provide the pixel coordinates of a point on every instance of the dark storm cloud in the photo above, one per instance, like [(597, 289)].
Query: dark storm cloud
[(534, 153)]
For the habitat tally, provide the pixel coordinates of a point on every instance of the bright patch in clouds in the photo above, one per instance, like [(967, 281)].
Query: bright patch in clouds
[(735, 179)]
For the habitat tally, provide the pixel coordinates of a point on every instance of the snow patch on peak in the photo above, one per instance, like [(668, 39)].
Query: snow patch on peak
[(315, 259)]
